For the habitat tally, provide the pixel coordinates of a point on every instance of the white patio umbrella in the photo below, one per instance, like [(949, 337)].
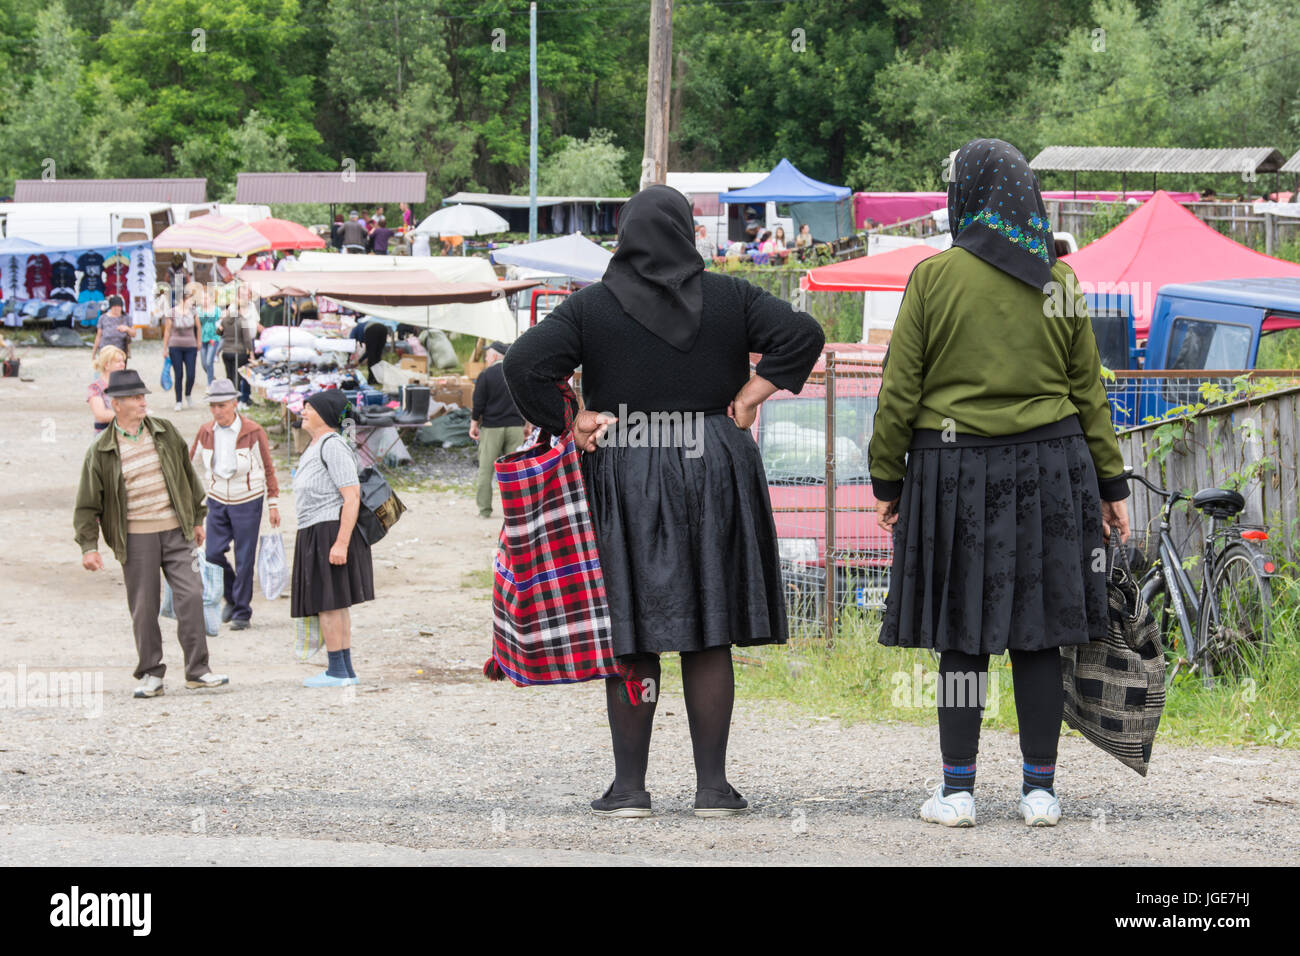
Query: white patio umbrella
[(463, 220)]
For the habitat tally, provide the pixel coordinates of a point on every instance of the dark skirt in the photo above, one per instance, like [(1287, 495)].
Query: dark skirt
[(997, 546), (687, 542), (321, 586)]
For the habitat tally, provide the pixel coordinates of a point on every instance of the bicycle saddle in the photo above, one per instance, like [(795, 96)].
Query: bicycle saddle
[(1218, 502)]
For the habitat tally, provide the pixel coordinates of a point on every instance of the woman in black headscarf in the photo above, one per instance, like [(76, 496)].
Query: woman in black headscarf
[(991, 431), (673, 477)]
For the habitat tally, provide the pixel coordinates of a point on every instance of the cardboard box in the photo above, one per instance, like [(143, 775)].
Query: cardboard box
[(414, 363), (300, 440), (878, 336), (459, 391), (473, 369)]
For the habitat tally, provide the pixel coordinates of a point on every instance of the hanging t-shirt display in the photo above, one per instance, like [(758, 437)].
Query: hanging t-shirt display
[(91, 265), (38, 277), (140, 283), (63, 279), (11, 277), (117, 277)]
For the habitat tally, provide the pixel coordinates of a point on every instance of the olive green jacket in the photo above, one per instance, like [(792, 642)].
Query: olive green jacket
[(979, 352), (101, 496)]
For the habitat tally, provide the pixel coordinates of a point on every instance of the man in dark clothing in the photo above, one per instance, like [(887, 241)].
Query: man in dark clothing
[(495, 424), (375, 337), (354, 234)]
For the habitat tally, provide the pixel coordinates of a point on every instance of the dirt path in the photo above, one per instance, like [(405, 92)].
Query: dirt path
[(428, 763)]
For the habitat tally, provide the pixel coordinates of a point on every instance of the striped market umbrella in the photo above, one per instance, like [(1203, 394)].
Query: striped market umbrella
[(212, 235), (288, 235)]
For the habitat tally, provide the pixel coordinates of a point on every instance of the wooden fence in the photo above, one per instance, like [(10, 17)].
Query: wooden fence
[(1221, 443)]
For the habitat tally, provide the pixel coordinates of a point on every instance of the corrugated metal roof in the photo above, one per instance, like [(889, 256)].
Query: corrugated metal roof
[(1151, 159), (331, 187), (111, 190), (507, 201), (1292, 165)]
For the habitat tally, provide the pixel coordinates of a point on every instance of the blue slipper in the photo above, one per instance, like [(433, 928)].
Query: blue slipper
[(324, 679)]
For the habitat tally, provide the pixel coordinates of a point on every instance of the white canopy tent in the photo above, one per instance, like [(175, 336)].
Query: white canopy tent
[(490, 320), (573, 255)]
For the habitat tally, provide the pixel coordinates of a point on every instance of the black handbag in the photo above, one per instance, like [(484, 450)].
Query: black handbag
[(1115, 686), (380, 506)]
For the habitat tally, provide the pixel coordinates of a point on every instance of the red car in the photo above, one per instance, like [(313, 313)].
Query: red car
[(791, 435)]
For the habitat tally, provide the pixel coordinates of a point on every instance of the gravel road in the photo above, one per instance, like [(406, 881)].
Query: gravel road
[(426, 762)]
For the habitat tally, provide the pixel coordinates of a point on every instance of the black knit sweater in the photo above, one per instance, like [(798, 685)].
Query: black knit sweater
[(625, 364)]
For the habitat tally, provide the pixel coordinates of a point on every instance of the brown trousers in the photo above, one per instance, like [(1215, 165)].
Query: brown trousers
[(146, 555)]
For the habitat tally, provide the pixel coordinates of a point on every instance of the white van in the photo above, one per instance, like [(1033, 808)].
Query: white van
[(73, 225), (728, 222)]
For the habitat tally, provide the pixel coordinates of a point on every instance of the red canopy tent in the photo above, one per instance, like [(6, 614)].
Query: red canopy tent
[(884, 272), (1160, 243), (287, 235)]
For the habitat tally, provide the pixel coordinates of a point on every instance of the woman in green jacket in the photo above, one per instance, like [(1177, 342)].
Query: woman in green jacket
[(995, 464)]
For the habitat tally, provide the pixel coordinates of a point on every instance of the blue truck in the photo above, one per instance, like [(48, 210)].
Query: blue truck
[(1219, 325)]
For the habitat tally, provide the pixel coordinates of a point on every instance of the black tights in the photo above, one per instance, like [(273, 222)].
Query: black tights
[(1040, 702), (709, 687)]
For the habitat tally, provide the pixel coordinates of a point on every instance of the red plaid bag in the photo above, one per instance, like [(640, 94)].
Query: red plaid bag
[(550, 617)]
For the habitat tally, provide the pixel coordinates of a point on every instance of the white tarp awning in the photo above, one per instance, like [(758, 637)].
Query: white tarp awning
[(491, 320), (573, 255)]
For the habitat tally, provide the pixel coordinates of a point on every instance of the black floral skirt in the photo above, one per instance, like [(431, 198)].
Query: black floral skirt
[(687, 543), (998, 546)]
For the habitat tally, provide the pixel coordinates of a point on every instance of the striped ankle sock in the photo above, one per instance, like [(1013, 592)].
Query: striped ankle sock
[(958, 776), (347, 661), (336, 667), (1038, 776)]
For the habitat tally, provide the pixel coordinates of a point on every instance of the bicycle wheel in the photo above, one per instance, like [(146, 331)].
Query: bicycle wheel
[(1156, 595), (1235, 616)]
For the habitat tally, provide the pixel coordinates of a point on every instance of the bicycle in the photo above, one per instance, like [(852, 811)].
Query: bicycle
[(1233, 603)]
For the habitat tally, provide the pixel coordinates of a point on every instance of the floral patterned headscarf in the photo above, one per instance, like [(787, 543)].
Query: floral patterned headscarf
[(996, 212)]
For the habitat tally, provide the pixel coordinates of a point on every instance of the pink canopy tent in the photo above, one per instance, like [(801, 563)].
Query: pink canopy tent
[(1161, 242), (884, 272)]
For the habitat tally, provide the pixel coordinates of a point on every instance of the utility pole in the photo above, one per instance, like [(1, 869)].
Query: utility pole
[(532, 122), (658, 90)]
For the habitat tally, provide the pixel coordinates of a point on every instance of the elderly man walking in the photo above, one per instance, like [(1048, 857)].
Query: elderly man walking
[(139, 489), (495, 423), (239, 474)]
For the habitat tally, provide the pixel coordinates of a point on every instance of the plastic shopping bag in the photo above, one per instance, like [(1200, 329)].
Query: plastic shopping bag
[(213, 591), (307, 638), (272, 566), (166, 382)]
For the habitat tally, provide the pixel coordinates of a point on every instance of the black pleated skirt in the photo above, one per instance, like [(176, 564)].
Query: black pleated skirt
[(321, 586), (998, 546), (687, 543)]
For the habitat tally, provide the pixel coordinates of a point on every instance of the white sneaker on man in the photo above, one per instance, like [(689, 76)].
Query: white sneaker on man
[(207, 680), (149, 687), (176, 407), (1040, 808), (954, 810)]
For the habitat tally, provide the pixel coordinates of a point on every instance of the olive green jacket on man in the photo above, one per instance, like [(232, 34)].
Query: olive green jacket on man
[(978, 352), (101, 497)]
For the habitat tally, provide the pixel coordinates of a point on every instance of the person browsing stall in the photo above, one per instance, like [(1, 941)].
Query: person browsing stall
[(495, 424)]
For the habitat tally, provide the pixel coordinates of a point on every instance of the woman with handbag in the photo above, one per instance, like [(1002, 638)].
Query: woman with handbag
[(683, 521), (991, 431), (331, 561)]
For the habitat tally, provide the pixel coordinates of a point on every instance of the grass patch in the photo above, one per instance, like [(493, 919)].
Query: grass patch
[(481, 578)]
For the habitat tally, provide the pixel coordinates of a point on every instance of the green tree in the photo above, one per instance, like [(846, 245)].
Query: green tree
[(590, 167)]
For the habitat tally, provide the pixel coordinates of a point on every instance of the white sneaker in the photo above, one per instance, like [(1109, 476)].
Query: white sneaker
[(149, 687), (189, 402), (176, 407), (207, 680), (955, 810), (1040, 808)]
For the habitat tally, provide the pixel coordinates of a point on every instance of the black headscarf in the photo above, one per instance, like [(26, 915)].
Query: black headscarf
[(655, 272), (331, 405), (996, 212)]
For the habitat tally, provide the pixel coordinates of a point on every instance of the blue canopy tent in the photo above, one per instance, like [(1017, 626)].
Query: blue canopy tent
[(826, 209)]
